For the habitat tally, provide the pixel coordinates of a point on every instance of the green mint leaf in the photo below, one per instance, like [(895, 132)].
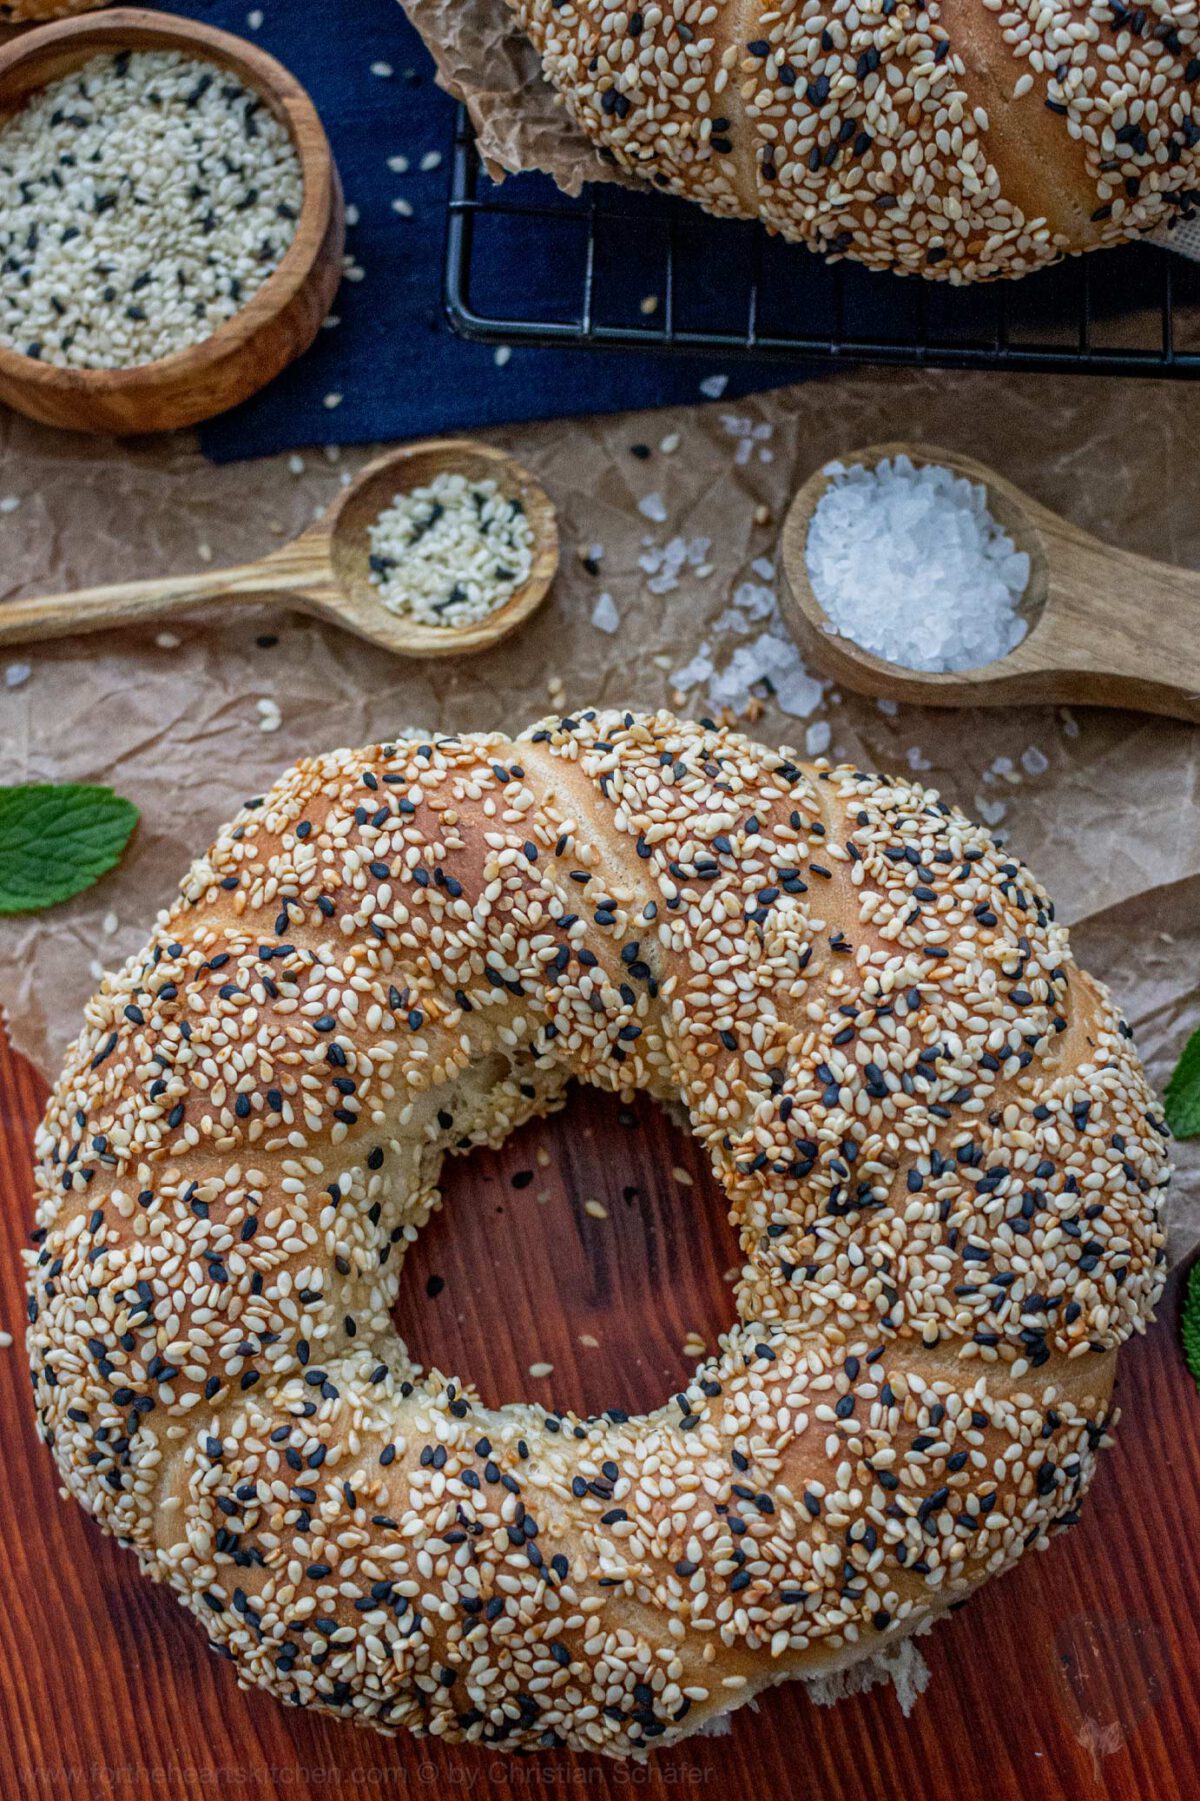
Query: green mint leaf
[(1189, 1323), (1181, 1103), (56, 840)]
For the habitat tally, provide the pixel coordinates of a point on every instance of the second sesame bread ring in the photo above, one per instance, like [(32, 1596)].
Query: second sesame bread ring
[(940, 1155)]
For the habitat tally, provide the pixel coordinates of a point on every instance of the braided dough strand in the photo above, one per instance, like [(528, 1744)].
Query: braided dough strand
[(940, 1155), (958, 139)]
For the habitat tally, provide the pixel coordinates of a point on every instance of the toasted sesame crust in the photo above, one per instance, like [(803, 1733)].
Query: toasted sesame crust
[(958, 139), (939, 1150)]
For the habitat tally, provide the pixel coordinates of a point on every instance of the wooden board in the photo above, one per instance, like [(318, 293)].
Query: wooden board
[(1077, 1675)]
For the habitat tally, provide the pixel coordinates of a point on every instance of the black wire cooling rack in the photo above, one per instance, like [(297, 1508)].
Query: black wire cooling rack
[(615, 269)]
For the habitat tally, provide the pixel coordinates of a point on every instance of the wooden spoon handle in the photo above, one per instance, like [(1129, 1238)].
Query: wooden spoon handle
[(129, 603), (1125, 629)]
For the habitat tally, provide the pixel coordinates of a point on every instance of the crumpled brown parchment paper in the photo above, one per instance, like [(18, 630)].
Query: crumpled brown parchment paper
[(485, 60), (1102, 804)]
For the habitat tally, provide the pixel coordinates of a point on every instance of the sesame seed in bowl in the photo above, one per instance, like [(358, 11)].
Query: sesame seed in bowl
[(144, 198), (171, 222)]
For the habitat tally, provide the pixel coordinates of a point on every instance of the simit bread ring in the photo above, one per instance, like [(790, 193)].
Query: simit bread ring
[(939, 1151), (956, 139)]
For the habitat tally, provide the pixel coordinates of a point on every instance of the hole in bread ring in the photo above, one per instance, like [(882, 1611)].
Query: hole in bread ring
[(595, 1241), (938, 1147)]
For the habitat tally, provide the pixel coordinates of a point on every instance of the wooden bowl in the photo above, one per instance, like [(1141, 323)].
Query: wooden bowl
[(274, 326)]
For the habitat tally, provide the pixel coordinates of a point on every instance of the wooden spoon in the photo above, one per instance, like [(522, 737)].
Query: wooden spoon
[(1106, 628), (325, 571)]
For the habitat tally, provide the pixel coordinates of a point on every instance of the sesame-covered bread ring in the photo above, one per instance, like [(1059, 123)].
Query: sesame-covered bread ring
[(937, 1143), (964, 139)]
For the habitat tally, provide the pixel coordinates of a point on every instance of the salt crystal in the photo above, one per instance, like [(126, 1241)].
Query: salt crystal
[(502, 355), (713, 386), (909, 563), (651, 507), (1070, 724), (916, 759), (763, 568), (990, 811), (10, 503), (758, 602), (817, 738), (889, 708), (398, 165), (605, 616), (17, 674), (698, 670), (432, 159), (1034, 761)]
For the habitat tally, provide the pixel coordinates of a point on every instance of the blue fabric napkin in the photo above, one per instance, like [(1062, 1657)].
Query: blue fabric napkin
[(399, 369)]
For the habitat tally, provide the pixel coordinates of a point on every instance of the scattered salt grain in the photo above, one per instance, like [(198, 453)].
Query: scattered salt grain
[(713, 386), (10, 503), (1070, 724), (109, 924), (916, 759), (6, 1339), (605, 616), (254, 19), (889, 708), (502, 356), (540, 1370), (296, 464), (651, 506), (398, 165), (990, 811), (167, 640), (269, 717), (910, 564), (383, 70), (402, 206), (670, 443), (352, 215), (332, 400), (1034, 761), (817, 738), (16, 675)]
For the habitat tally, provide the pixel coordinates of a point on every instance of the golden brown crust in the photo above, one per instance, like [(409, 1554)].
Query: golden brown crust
[(959, 139), (18, 12), (940, 1154)]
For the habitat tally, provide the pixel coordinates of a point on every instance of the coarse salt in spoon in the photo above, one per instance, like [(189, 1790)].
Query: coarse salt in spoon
[(1099, 626)]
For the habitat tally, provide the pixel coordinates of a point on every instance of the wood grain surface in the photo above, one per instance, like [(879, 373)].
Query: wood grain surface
[(1078, 1675)]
